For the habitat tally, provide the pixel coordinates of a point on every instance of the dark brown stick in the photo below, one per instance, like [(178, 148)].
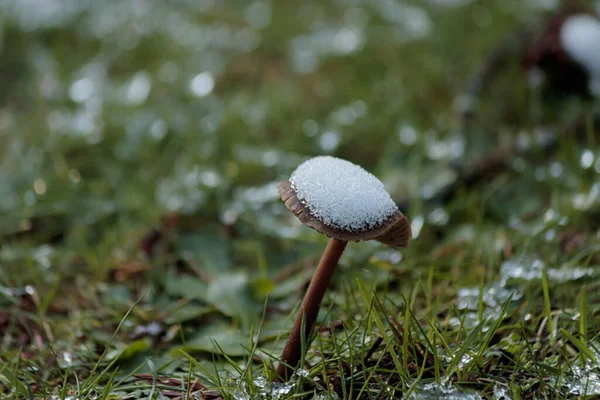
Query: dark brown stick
[(292, 352)]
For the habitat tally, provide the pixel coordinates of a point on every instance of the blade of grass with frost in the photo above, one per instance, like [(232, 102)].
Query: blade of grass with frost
[(77, 382), (583, 312), (49, 296), (144, 386), (480, 304), (514, 390), (591, 344), (430, 344), (65, 378), (429, 293), (229, 360), (216, 371), (408, 317), (440, 337), (28, 370), (272, 357), (469, 343), (477, 331), (531, 351), (154, 372), (254, 343), (462, 330), (338, 359), (583, 256), (373, 371), (324, 369), (188, 392), (86, 386), (303, 347), (397, 332), (580, 345), (108, 386), (379, 322), (413, 296), (351, 304), (349, 341), (412, 388), (368, 318), (35, 275), (131, 373), (11, 376), (493, 329), (202, 369), (89, 386), (547, 306), (165, 365)]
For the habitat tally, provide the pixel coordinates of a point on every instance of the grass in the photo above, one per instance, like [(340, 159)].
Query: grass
[(144, 250)]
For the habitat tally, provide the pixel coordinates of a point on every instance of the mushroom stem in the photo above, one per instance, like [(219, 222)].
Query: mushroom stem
[(292, 352)]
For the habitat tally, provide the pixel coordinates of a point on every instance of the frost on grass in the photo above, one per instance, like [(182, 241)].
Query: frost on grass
[(501, 392), (521, 267), (529, 268), (580, 36), (262, 388), (342, 195), (581, 382), (435, 391)]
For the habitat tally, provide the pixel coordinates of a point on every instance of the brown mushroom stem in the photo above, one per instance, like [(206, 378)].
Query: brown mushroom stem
[(292, 352)]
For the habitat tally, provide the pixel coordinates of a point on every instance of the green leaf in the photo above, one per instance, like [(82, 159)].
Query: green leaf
[(135, 347), (579, 344), (231, 294), (187, 312), (185, 286), (208, 250), (231, 341)]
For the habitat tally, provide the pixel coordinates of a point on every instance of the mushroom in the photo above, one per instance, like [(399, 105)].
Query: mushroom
[(343, 201), (568, 52)]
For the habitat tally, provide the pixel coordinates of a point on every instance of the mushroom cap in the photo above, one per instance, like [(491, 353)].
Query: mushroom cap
[(343, 201)]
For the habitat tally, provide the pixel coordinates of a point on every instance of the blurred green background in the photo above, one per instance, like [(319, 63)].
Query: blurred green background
[(115, 113)]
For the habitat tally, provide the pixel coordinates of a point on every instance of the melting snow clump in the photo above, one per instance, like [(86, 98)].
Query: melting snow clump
[(580, 36), (435, 391), (266, 389), (501, 393), (582, 382), (529, 268), (342, 195)]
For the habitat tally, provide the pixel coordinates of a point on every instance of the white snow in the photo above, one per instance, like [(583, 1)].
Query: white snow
[(580, 37), (341, 194)]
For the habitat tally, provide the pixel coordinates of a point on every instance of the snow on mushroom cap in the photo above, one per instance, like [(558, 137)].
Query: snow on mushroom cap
[(580, 37), (342, 195)]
